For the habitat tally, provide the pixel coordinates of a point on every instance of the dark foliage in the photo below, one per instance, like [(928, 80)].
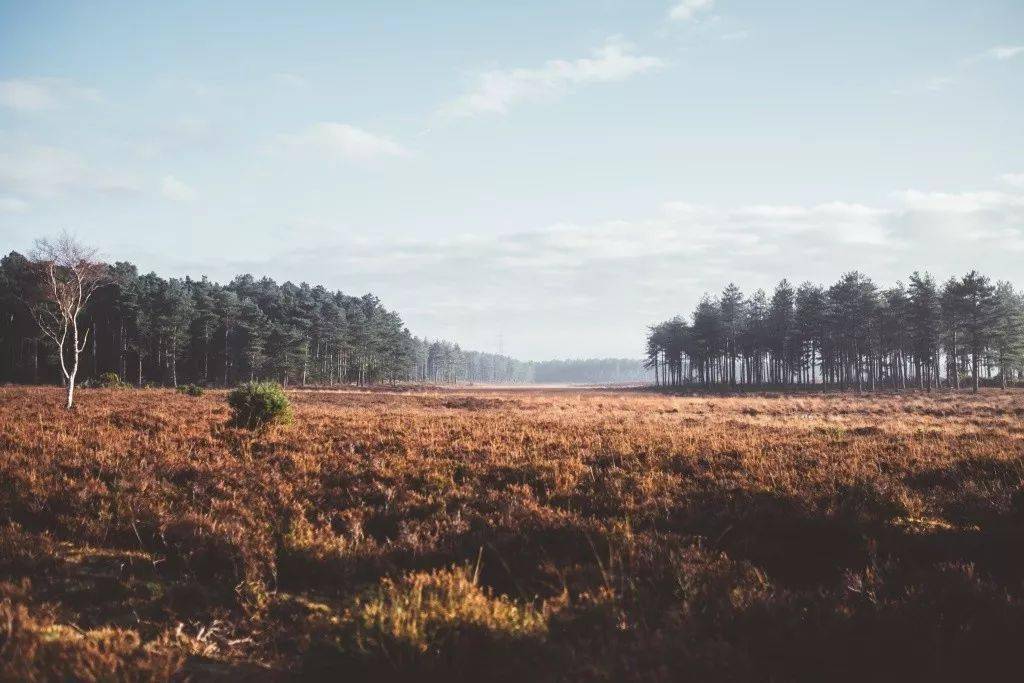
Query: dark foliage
[(257, 404), (849, 335)]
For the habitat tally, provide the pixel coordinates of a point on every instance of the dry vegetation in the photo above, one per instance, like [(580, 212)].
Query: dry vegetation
[(510, 535)]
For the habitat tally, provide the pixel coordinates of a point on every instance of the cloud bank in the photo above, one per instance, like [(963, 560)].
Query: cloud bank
[(593, 288)]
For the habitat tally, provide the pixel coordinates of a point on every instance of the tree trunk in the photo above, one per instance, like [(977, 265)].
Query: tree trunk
[(974, 371), (956, 370), (174, 364), (74, 367), (71, 391), (227, 355)]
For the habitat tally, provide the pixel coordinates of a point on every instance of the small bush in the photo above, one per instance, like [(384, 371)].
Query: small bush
[(191, 390), (110, 380), (257, 404)]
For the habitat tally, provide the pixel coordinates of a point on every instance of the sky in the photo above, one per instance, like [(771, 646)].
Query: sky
[(549, 176)]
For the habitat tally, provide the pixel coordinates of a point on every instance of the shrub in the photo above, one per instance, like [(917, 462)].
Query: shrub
[(256, 404), (110, 380), (191, 390)]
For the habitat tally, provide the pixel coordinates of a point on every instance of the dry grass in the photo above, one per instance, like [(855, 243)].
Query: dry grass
[(533, 534)]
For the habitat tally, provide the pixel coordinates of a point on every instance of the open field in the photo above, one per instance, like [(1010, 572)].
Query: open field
[(543, 535)]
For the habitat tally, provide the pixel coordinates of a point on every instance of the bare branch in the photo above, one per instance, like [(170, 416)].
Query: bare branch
[(85, 338), (72, 273)]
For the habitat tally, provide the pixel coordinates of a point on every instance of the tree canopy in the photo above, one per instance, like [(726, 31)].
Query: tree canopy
[(168, 331), (850, 334)]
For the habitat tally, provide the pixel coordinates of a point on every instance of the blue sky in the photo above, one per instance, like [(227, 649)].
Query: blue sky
[(560, 173)]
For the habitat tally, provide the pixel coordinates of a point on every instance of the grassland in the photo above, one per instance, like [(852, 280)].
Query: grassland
[(542, 535)]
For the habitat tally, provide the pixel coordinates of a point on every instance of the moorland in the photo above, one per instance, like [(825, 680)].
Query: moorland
[(449, 534)]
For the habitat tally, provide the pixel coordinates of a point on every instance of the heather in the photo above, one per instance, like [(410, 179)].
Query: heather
[(551, 535)]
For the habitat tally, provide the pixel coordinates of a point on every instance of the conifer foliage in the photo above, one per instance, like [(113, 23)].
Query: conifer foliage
[(849, 335)]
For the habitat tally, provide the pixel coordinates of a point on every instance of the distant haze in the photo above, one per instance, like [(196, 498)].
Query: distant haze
[(558, 176)]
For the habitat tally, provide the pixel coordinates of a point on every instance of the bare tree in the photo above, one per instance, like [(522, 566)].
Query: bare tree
[(68, 274)]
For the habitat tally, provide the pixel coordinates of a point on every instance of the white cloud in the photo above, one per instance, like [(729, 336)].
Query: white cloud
[(499, 89), (1013, 179), (689, 9), (176, 190), (1004, 52), (39, 94), (48, 172), (346, 141), (841, 222), (762, 240), (960, 202), (765, 240), (13, 205), (980, 228)]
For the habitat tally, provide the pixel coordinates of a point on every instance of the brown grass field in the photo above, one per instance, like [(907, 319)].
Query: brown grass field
[(529, 535)]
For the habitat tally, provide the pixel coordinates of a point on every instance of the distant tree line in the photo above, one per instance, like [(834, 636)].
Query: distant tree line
[(851, 334), (591, 371), (442, 362)]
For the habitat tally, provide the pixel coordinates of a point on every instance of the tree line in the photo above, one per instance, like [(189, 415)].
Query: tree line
[(166, 332), (852, 334), (152, 330)]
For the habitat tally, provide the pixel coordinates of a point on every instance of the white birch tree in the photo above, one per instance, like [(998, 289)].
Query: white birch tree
[(69, 273)]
